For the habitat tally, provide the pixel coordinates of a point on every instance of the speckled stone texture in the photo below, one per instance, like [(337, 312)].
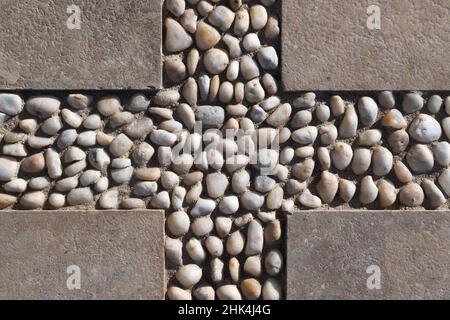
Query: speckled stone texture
[(120, 254), (326, 45), (117, 47), (329, 254)]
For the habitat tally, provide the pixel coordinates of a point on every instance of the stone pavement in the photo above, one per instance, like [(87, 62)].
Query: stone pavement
[(67, 255), (366, 45), (65, 44), (369, 255), (267, 153)]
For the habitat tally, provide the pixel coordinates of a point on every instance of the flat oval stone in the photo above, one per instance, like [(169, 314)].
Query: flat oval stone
[(420, 159), (11, 104), (425, 129), (42, 106)]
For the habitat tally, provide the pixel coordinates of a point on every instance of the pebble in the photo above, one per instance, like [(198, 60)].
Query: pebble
[(189, 275), (229, 205), (251, 289), (217, 267), (57, 200), (7, 200), (394, 120), (71, 118), (252, 201), (15, 150), (223, 226), (255, 238), (235, 243), (211, 116), (342, 155), (28, 125), (42, 106), (195, 250), (272, 290), (303, 170), (189, 20), (258, 17), (221, 17), (382, 160), (242, 22), (434, 196), (254, 92), (425, 129), (109, 105), (39, 183), (387, 194), (327, 187), (178, 223), (349, 124), (215, 61), (368, 190), (411, 195), (174, 251), (109, 200), (305, 136), (273, 262), (202, 226), (368, 111), (309, 200), (214, 245), (337, 105), (328, 134), (444, 181), (420, 159), (11, 104), (176, 39), (175, 293), (412, 102), (165, 98), (268, 58), (176, 7), (362, 159), (323, 113), (79, 101), (205, 293), (402, 172), (203, 207), (33, 200), (386, 100), (347, 190), (16, 186), (441, 151), (80, 196), (138, 103), (98, 158), (434, 104), (398, 141), (33, 164), (52, 125), (228, 292)]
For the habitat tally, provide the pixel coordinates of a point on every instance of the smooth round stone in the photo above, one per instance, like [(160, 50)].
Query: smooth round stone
[(347, 190), (287, 155), (349, 124), (234, 268), (269, 83), (137, 103), (169, 180), (382, 161), (189, 275), (305, 136), (327, 187), (368, 111), (93, 122), (272, 290), (441, 151), (57, 200), (255, 238), (202, 226), (272, 232), (39, 183), (120, 163), (15, 150), (233, 44), (425, 129), (308, 200), (394, 120), (252, 201), (258, 17), (368, 192), (214, 245), (80, 196), (434, 104), (387, 194), (251, 42), (434, 196), (273, 262), (174, 251), (42, 106), (205, 293), (444, 181), (178, 223), (258, 114), (268, 58), (342, 155), (233, 71), (337, 105), (120, 119), (235, 243), (79, 101), (33, 164), (251, 289), (33, 200), (223, 226), (229, 205), (370, 137), (7, 200), (67, 138), (323, 113), (272, 30), (101, 185), (275, 198), (248, 68), (176, 7), (412, 102), (203, 207), (195, 250), (90, 177), (28, 125), (306, 101), (75, 168), (398, 141), (120, 145), (362, 159), (98, 158), (109, 105), (328, 134), (303, 170), (66, 184), (139, 128), (240, 182), (175, 69), (446, 126), (280, 116), (242, 22), (166, 98), (254, 92), (145, 188), (324, 158), (221, 17), (160, 200), (16, 186), (177, 39), (215, 61), (109, 200), (11, 104), (189, 20), (386, 100), (71, 118), (175, 293), (411, 195), (420, 159), (228, 292), (402, 172)]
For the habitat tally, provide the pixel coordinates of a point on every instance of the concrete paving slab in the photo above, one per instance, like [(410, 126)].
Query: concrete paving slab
[(85, 44), (368, 255), (337, 45), (72, 255)]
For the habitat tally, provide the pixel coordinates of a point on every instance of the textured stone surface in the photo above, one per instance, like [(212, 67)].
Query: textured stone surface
[(120, 254), (117, 47), (326, 45), (329, 253)]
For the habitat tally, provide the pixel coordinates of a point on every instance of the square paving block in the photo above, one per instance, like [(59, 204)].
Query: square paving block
[(366, 45), (368, 255), (83, 44), (73, 255)]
